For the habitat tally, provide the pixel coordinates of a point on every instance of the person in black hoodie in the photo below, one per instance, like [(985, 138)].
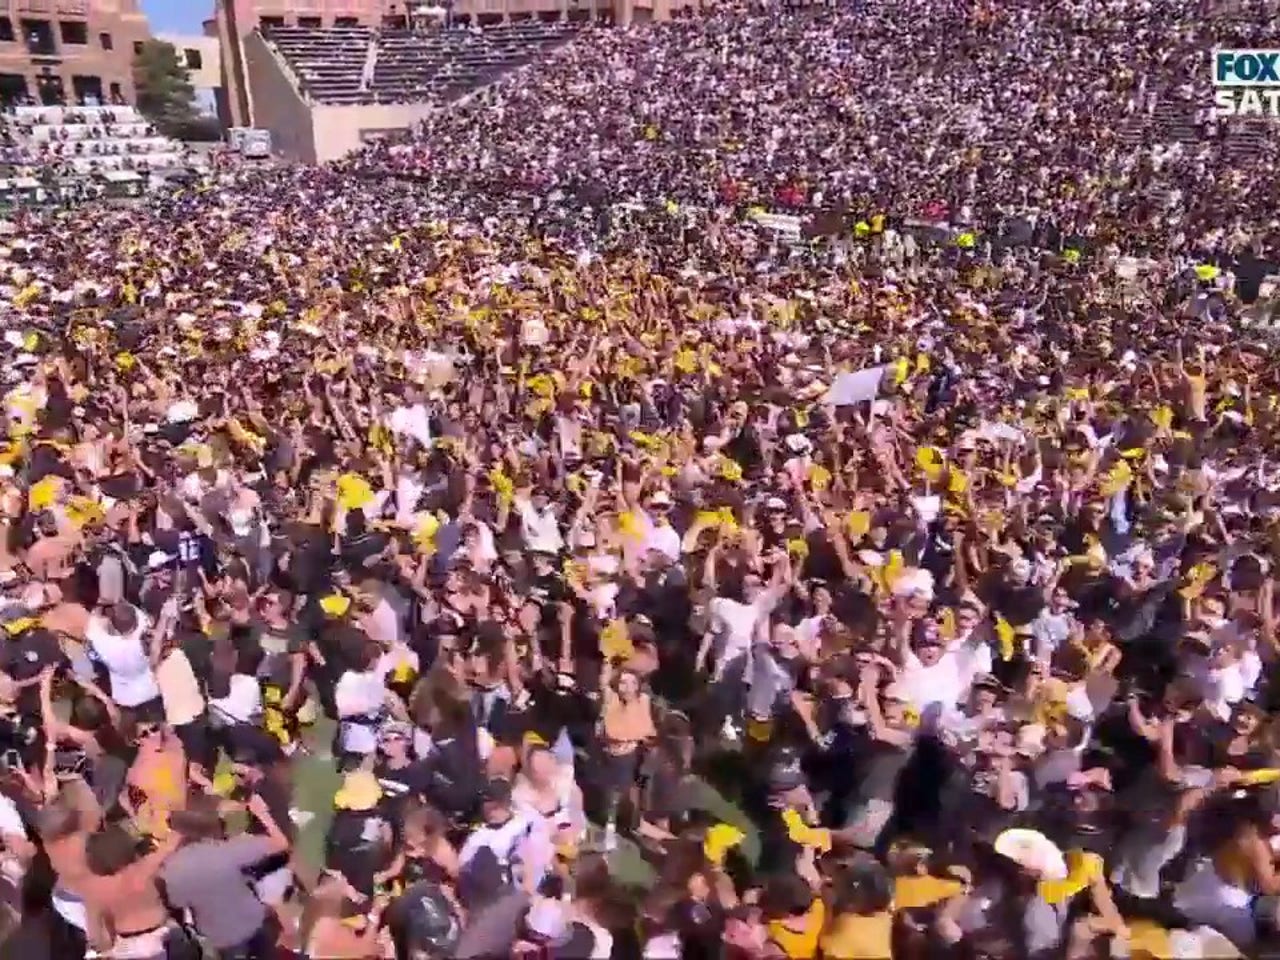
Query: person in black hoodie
[(454, 769)]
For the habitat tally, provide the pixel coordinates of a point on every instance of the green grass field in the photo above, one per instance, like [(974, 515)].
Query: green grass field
[(316, 780)]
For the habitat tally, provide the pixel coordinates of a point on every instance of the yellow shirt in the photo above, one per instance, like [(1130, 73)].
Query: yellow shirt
[(859, 937), (1147, 939), (161, 775), (913, 892), (801, 944)]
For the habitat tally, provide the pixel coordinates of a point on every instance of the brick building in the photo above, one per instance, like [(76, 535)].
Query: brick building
[(69, 51)]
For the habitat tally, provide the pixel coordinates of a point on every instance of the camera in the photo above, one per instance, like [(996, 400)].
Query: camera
[(18, 741)]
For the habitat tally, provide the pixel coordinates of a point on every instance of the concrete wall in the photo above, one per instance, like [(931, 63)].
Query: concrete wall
[(206, 78), (278, 105), (235, 85), (341, 129), (313, 133), (208, 74), (236, 19)]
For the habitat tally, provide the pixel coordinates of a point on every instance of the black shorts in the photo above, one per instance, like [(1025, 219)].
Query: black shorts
[(197, 741), (152, 711), (618, 771)]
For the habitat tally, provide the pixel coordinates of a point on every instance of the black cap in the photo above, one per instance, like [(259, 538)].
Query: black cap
[(786, 772)]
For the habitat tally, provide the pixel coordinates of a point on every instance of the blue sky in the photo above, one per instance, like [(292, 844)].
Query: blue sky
[(176, 16)]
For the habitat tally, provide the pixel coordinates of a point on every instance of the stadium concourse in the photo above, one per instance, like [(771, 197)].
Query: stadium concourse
[(781, 483)]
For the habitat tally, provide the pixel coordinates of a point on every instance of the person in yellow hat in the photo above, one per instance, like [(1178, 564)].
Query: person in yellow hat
[(358, 844)]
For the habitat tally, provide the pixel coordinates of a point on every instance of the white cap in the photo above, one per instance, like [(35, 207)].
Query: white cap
[(158, 558), (1034, 852)]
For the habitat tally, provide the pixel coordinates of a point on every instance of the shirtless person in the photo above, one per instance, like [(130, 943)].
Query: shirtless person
[(64, 826), (127, 915), (105, 893)]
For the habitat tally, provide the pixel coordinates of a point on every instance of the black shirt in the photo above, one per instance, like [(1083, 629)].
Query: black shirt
[(1018, 605), (277, 797), (401, 784), (355, 848), (778, 851)]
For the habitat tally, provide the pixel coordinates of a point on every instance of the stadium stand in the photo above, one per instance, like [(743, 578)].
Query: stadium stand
[(355, 65), (86, 140), (328, 64)]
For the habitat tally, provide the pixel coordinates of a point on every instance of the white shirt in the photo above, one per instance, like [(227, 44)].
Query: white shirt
[(940, 686), (603, 598), (974, 655), (736, 624), (11, 825), (661, 537), (567, 814), (540, 529), (125, 657), (504, 840), (665, 946), (358, 695), (1050, 631), (810, 629), (413, 422), (409, 488), (243, 701)]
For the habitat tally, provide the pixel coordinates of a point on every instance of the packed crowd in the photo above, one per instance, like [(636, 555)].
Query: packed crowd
[(629, 583)]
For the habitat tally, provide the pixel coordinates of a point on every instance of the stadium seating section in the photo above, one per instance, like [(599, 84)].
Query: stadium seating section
[(356, 65), (85, 140)]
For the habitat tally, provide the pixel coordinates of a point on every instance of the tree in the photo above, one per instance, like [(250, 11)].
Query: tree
[(165, 94)]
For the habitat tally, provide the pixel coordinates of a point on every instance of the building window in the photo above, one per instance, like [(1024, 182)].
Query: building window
[(311, 23), (346, 22), (117, 97), (74, 32), (13, 89), (6, 30), (39, 37), (270, 23), (87, 90), (193, 58), (137, 48), (394, 23), (51, 91), (104, 41)]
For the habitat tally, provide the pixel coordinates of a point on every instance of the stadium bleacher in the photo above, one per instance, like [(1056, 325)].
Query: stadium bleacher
[(86, 140), (356, 65), (329, 64)]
